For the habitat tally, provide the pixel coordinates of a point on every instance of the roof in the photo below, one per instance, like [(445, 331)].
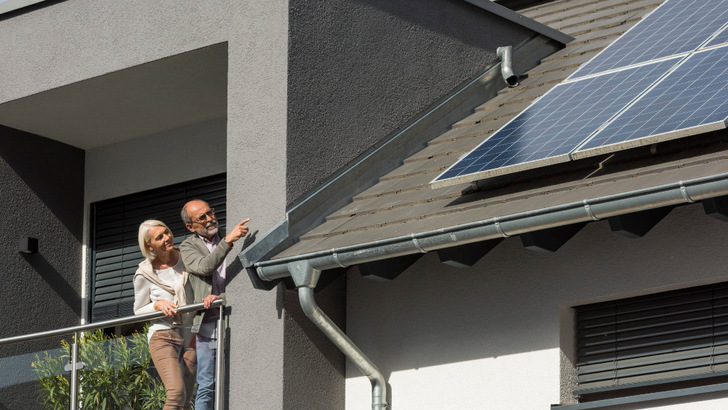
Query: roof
[(403, 203)]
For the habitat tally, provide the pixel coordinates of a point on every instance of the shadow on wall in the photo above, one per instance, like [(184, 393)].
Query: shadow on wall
[(458, 20), (52, 170), (55, 281)]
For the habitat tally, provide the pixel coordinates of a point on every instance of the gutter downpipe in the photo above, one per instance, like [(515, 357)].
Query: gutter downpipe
[(587, 210), (506, 56), (306, 277)]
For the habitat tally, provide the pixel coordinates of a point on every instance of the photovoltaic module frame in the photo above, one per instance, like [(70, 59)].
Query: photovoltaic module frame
[(665, 78)]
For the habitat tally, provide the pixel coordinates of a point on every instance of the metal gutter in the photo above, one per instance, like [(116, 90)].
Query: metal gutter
[(587, 210)]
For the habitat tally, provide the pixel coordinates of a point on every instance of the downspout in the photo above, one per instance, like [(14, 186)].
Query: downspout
[(583, 211), (506, 56), (306, 277)]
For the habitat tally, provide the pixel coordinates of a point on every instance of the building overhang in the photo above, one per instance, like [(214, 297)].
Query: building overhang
[(161, 95)]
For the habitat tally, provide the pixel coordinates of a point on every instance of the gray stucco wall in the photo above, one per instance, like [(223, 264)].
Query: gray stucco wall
[(314, 380), (42, 188), (256, 153), (64, 42), (360, 70)]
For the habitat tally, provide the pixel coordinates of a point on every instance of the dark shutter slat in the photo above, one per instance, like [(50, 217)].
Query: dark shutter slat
[(652, 339)]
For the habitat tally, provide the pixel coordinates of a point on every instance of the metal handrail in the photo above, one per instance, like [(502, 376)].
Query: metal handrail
[(76, 330), (105, 324)]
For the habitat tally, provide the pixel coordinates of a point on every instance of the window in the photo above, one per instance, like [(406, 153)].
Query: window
[(653, 343), (114, 226)]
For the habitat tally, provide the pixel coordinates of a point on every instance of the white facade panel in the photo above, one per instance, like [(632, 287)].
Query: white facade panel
[(446, 337), (495, 383)]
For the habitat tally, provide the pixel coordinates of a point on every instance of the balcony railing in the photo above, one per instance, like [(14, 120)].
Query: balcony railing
[(51, 368)]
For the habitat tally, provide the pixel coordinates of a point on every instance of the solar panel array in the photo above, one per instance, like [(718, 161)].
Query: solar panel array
[(562, 119), (656, 82), (694, 95), (676, 27)]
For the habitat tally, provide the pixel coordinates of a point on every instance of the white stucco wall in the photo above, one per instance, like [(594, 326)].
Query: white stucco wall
[(491, 336)]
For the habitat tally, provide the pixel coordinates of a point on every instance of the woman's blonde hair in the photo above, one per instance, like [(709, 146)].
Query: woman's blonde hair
[(144, 236)]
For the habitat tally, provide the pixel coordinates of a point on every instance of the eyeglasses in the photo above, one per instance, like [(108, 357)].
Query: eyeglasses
[(210, 213)]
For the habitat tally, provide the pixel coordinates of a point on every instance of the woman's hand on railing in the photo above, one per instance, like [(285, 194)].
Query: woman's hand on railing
[(168, 308)]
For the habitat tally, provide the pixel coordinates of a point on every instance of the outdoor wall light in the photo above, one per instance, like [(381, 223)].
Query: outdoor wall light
[(28, 245)]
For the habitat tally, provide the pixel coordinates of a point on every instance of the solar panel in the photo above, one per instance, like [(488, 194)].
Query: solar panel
[(652, 84), (691, 100), (548, 130), (674, 28)]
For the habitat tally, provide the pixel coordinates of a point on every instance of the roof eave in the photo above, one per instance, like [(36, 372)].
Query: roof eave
[(587, 210)]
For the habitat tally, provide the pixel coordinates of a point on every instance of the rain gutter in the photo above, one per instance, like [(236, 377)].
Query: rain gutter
[(587, 210)]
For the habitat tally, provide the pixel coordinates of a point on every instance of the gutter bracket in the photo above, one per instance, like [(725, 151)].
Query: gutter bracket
[(588, 210), (685, 194)]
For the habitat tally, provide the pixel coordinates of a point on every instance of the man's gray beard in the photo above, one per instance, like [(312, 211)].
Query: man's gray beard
[(212, 229)]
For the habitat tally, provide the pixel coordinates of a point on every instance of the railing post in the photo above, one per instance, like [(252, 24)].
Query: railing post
[(219, 381), (74, 373)]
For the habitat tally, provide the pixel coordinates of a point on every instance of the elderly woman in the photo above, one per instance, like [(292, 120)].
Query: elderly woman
[(160, 284)]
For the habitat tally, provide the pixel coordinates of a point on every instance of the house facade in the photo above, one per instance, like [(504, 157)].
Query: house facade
[(324, 122)]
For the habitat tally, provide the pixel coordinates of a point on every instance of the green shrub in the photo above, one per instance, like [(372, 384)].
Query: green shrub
[(117, 374)]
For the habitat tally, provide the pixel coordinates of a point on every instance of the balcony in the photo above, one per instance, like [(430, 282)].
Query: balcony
[(89, 368)]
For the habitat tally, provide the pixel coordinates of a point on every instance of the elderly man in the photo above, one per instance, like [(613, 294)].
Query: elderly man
[(204, 257)]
